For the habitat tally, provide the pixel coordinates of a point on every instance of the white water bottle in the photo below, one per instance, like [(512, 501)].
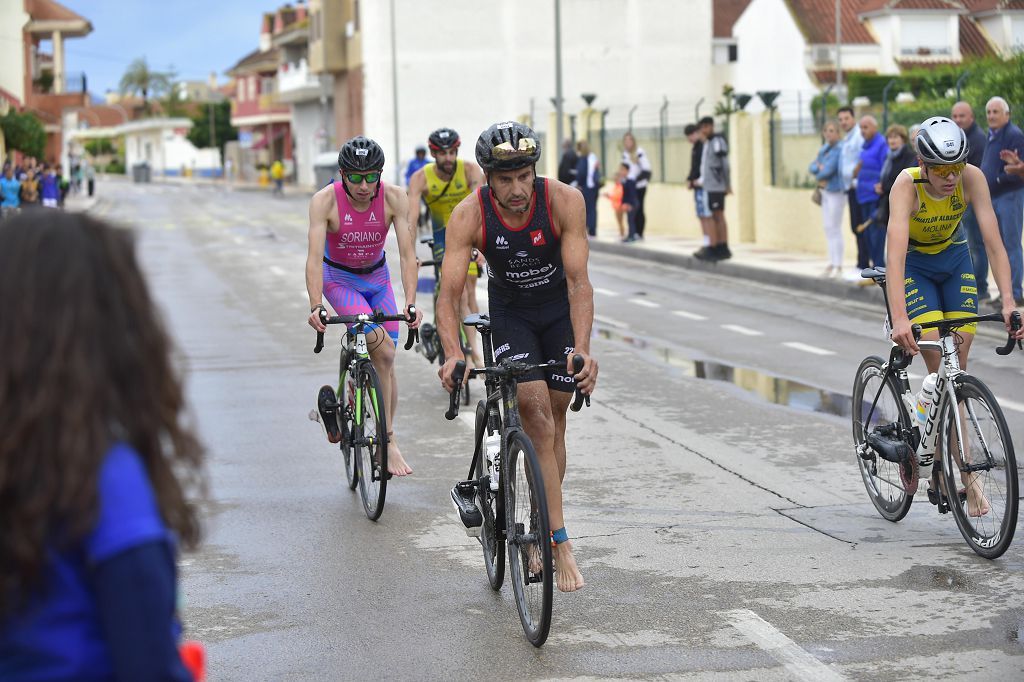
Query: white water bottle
[(492, 448), (925, 398)]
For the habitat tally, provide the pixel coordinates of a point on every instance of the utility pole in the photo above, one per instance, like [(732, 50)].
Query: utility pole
[(558, 79), (213, 135)]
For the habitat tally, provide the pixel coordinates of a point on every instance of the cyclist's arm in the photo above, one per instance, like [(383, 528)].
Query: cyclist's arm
[(398, 205), (902, 203), (460, 238), (570, 216), (319, 205), (417, 184), (976, 191)]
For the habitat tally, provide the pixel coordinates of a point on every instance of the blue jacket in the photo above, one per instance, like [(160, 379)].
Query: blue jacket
[(829, 157), (999, 181), (872, 158)]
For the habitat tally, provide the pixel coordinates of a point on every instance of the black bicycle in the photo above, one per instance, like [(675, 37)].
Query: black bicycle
[(964, 427), (354, 415), (504, 495), (430, 341)]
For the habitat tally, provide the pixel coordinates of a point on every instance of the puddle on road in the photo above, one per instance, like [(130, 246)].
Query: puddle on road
[(935, 578), (766, 386)]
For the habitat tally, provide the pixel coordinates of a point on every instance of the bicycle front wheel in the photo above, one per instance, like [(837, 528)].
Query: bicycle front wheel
[(978, 459), (528, 534), (883, 479), (371, 444), (491, 506), (347, 407)]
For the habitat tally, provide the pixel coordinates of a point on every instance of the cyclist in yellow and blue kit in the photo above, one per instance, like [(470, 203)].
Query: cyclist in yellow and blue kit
[(927, 250), (442, 185)]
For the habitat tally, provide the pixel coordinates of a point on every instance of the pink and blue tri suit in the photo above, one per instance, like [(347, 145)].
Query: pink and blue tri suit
[(356, 277)]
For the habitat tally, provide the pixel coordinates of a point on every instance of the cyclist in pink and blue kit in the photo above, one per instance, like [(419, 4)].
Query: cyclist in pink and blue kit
[(348, 226)]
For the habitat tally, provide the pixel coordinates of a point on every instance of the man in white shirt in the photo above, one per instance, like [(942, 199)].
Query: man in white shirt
[(851, 146)]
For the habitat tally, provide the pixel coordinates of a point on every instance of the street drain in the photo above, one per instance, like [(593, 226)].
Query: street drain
[(768, 387)]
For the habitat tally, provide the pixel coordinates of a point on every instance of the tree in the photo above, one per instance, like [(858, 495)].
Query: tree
[(223, 131), (24, 132), (140, 79), (99, 146)]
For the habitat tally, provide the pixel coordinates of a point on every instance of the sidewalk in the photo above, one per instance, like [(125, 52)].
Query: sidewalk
[(797, 271)]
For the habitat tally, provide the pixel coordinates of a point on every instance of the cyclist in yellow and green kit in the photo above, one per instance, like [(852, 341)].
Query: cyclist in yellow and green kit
[(442, 185)]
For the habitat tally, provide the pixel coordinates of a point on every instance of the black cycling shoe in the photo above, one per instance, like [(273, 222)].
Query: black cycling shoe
[(464, 499), (327, 405), (428, 338)]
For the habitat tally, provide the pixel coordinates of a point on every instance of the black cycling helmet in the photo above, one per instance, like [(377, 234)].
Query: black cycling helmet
[(941, 142), (444, 138), (361, 154), (507, 146)]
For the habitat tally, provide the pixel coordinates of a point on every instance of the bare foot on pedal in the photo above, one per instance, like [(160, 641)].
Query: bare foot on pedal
[(566, 571), (396, 463), (977, 504)]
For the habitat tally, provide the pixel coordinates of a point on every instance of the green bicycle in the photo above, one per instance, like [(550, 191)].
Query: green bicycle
[(354, 415)]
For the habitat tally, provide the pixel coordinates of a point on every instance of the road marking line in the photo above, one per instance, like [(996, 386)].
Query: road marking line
[(605, 292), (806, 348), (278, 270), (688, 315), (798, 662), (609, 321), (742, 330), (644, 303), (1010, 404)]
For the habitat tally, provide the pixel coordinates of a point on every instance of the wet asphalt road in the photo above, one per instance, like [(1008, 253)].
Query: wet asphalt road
[(722, 536)]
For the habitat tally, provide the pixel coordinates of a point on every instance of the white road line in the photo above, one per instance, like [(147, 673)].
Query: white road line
[(610, 322), (688, 315), (644, 303), (798, 663), (278, 270), (1010, 404), (806, 348), (742, 330), (605, 292)]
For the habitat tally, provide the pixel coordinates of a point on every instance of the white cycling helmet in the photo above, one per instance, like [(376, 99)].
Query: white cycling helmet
[(941, 142)]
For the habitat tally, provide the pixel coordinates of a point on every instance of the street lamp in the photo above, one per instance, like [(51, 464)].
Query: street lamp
[(768, 98)]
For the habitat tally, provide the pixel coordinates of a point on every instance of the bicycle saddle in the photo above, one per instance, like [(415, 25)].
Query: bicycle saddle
[(478, 320)]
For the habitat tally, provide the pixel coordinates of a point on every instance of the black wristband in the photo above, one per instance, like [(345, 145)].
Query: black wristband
[(318, 305)]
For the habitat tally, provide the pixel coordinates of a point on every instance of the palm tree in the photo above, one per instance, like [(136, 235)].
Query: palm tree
[(140, 79)]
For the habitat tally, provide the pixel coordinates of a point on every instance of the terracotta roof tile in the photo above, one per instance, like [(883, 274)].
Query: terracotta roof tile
[(988, 5), (817, 21), (255, 57), (48, 10), (828, 76), (875, 5), (726, 12), (972, 41)]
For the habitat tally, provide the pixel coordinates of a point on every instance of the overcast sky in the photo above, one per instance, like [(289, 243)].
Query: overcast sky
[(194, 37)]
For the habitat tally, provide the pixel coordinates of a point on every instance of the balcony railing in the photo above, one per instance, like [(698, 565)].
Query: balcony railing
[(295, 76)]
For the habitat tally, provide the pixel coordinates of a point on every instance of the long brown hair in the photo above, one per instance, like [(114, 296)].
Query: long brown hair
[(84, 362)]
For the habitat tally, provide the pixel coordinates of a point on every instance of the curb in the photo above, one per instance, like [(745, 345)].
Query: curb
[(779, 278)]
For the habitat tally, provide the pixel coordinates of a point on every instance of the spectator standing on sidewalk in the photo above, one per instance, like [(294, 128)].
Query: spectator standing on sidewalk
[(415, 163), (90, 178), (567, 164), (630, 201), (868, 173), (826, 170), (963, 115), (700, 200), (588, 179), (277, 175), (716, 180), (852, 142), (640, 172), (1007, 189), (10, 191), (901, 155), (30, 188), (49, 187)]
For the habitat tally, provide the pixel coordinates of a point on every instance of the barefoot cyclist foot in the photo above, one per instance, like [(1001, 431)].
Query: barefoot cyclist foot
[(396, 463), (567, 573), (977, 503)]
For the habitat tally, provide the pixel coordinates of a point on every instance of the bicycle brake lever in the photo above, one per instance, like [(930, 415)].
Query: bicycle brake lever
[(579, 398), (453, 399), (320, 335), (414, 334)]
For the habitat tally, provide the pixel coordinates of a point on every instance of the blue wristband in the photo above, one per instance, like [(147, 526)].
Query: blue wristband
[(559, 536)]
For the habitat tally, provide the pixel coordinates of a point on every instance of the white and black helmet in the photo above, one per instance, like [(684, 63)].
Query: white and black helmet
[(941, 142)]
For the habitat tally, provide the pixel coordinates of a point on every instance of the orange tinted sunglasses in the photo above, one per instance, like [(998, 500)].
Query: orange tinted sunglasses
[(946, 171)]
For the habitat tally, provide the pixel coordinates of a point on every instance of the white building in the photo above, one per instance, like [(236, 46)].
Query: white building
[(160, 143)]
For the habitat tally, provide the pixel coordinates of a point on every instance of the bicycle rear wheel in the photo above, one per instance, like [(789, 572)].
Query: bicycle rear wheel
[(491, 506), (371, 443), (528, 535), (347, 411), (983, 463), (883, 479)]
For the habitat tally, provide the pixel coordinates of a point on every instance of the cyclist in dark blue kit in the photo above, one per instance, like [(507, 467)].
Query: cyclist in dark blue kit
[(532, 231)]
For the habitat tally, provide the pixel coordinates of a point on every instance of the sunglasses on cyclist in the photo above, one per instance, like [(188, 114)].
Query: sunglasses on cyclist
[(356, 178), (946, 171), (527, 147)]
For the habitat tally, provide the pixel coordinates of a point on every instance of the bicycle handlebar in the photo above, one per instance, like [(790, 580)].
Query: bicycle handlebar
[(453, 399), (1015, 324), (579, 397), (376, 317)]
